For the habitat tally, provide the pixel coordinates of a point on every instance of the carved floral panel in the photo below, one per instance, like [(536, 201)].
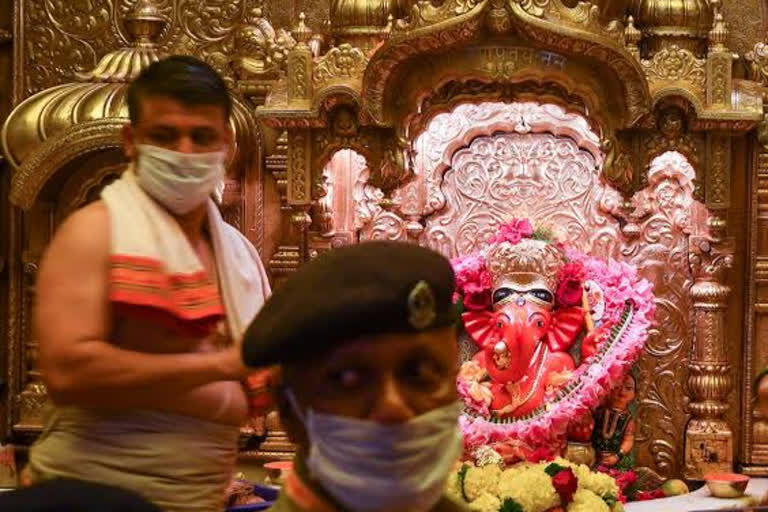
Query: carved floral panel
[(541, 163), (63, 37)]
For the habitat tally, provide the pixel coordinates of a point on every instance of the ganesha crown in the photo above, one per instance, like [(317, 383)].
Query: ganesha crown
[(528, 263)]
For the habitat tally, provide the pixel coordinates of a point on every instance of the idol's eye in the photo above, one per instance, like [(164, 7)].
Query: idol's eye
[(501, 320), (543, 295), (537, 319)]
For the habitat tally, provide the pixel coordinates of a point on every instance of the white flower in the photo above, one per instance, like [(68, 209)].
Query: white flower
[(486, 503), (587, 501)]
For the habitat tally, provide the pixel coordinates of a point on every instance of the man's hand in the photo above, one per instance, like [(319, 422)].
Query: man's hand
[(232, 363)]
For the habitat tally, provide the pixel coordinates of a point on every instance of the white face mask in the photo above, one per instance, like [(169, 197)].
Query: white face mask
[(369, 466), (179, 181)]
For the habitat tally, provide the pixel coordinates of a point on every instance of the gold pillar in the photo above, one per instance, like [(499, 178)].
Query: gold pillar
[(708, 437), (755, 394)]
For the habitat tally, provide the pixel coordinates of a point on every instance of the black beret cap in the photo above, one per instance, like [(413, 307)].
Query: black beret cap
[(355, 291)]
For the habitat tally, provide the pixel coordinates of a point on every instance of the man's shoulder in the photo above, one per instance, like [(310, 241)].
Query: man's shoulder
[(84, 231)]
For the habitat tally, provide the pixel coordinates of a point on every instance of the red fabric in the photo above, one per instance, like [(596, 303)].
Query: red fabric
[(137, 281), (257, 386)]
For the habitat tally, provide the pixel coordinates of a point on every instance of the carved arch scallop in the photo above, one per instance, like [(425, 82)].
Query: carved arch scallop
[(448, 132)]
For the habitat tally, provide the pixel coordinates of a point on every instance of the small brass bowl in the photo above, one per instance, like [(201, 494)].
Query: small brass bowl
[(277, 471), (726, 485)]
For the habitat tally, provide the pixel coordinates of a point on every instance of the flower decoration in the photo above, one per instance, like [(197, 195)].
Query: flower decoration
[(570, 288), (473, 282), (600, 369), (528, 487), (513, 232), (565, 484)]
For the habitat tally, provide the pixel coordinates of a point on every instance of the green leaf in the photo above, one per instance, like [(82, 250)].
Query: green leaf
[(554, 469), (510, 505), (610, 500), (542, 233)]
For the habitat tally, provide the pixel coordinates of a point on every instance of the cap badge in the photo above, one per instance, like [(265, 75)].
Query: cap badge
[(421, 306)]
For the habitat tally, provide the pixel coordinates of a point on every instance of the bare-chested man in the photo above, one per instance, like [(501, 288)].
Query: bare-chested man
[(138, 297)]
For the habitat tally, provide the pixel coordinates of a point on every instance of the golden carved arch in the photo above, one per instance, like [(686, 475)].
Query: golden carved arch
[(573, 32), (38, 170)]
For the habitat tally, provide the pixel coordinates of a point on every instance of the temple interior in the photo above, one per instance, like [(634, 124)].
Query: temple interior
[(632, 131)]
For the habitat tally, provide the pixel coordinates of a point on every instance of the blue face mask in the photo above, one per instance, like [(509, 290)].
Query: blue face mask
[(369, 466)]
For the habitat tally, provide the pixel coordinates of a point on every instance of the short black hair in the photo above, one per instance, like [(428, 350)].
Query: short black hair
[(183, 78)]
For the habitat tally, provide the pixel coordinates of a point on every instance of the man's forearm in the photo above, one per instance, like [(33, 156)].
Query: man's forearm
[(98, 371)]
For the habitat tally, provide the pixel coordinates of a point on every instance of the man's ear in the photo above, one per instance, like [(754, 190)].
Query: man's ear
[(128, 140)]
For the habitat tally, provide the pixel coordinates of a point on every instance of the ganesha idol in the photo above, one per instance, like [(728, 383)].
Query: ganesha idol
[(554, 331)]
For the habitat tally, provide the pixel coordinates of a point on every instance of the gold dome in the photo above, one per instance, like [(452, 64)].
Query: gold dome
[(99, 94), (681, 22), (365, 13), (55, 110), (49, 128)]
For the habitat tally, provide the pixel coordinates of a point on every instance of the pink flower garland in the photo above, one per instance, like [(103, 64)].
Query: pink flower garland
[(621, 284)]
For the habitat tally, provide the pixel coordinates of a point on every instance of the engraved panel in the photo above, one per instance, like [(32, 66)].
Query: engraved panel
[(64, 37), (555, 179)]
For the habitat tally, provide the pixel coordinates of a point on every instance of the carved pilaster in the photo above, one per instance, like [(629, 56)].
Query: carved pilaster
[(718, 181), (33, 397), (755, 394), (300, 67), (708, 437), (719, 65)]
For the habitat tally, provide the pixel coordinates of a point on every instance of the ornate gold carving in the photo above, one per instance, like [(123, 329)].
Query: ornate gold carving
[(758, 63), (565, 29), (618, 167), (709, 439), (342, 63), (366, 13), (55, 152), (424, 14), (261, 53), (754, 431), (674, 64), (526, 262), (718, 186), (33, 397), (299, 168), (682, 22), (5, 36), (719, 80), (759, 440), (300, 66)]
